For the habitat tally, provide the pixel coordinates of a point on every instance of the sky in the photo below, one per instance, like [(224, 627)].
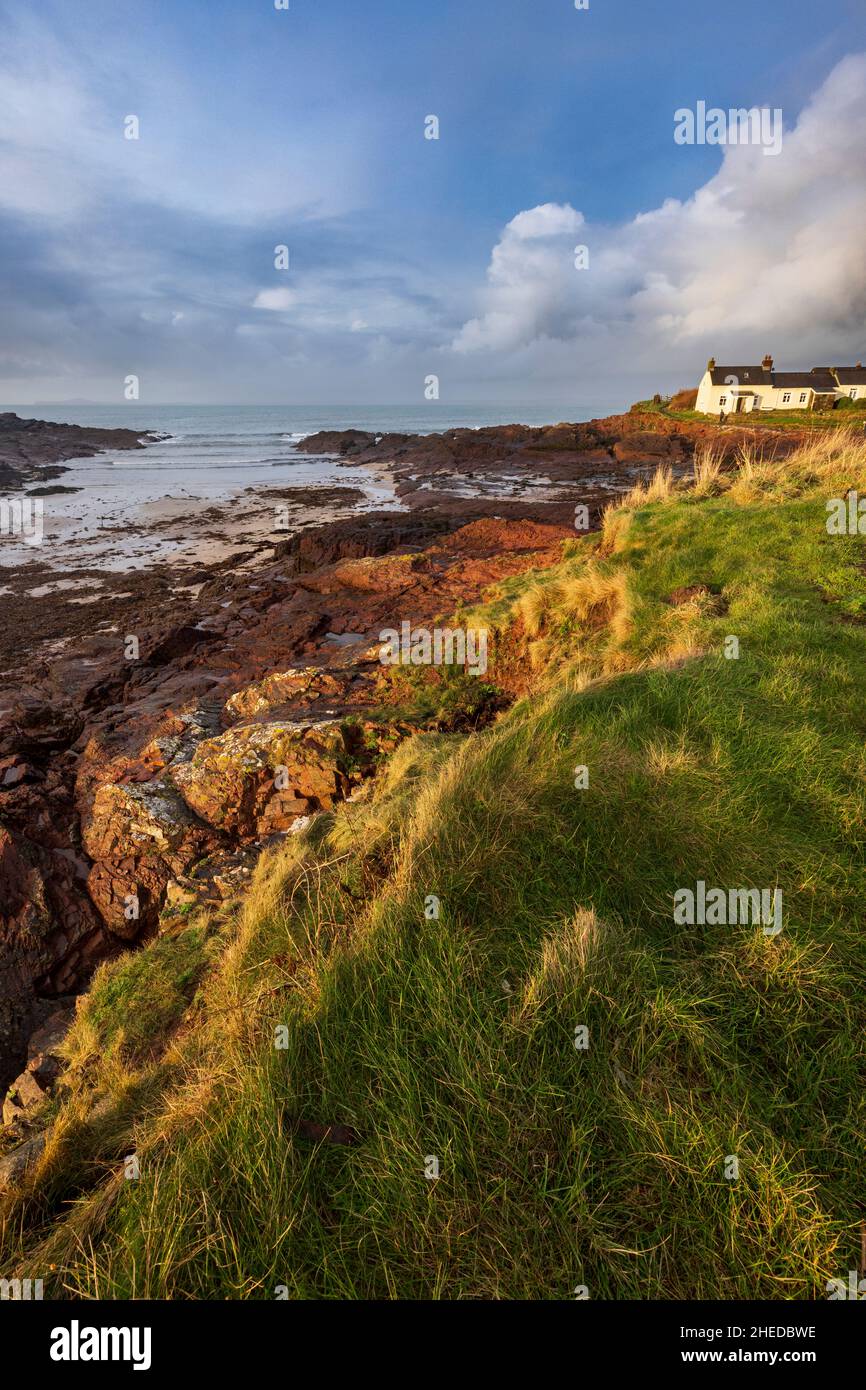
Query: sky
[(411, 258)]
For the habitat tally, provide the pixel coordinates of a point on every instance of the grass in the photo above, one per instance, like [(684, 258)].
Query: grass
[(427, 957), (845, 414)]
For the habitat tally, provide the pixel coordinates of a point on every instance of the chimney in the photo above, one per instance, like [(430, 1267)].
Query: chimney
[(711, 365), (767, 363), (858, 367)]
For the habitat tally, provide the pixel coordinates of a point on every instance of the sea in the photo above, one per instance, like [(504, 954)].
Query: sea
[(207, 453), (216, 437)]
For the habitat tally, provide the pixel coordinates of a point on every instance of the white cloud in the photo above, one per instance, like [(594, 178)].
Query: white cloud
[(769, 254), (529, 281), (279, 299)]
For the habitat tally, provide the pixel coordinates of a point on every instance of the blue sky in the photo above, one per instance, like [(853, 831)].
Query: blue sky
[(411, 257)]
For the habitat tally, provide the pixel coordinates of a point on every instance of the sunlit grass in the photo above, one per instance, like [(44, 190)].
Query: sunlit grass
[(452, 1037)]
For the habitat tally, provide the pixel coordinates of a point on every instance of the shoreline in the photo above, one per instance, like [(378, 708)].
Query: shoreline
[(82, 586)]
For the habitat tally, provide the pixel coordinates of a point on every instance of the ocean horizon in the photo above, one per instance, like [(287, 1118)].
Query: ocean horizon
[(230, 420)]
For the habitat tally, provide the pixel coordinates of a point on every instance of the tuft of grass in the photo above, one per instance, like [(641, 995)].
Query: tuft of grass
[(707, 469), (658, 489)]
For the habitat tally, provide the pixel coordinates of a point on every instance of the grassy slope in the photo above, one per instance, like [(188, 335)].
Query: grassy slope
[(455, 1037)]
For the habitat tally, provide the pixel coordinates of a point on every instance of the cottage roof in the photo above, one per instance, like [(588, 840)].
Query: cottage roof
[(746, 376), (851, 376), (818, 379)]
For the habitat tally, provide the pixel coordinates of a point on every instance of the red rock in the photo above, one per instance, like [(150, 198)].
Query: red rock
[(139, 836), (256, 779)]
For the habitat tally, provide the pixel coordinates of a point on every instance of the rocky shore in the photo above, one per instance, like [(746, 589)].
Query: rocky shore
[(541, 473), (34, 451), (151, 744)]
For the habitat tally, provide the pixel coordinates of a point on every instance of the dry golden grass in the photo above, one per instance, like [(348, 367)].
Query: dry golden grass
[(578, 611), (830, 461), (539, 653), (597, 596), (564, 956), (755, 477), (707, 471), (615, 523), (534, 605), (617, 515), (659, 489)]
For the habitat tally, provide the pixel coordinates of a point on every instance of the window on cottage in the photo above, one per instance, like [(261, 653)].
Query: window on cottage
[(853, 393), (786, 397), (723, 400), (802, 397)]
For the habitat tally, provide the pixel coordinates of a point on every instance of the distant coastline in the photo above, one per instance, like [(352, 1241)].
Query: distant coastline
[(154, 516)]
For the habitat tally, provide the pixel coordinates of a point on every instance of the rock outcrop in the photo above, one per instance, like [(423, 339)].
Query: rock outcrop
[(17, 1163), (538, 473), (257, 779), (139, 835), (131, 788), (44, 1066), (30, 450)]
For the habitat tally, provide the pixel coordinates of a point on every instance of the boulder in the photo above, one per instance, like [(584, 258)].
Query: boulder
[(24, 1093), (47, 1038), (380, 575), (256, 779), (646, 446), (180, 893), (48, 936), (337, 442), (298, 683), (32, 725), (376, 533), (18, 1163), (139, 835)]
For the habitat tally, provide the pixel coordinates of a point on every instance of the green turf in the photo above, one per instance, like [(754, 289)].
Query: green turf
[(453, 1038)]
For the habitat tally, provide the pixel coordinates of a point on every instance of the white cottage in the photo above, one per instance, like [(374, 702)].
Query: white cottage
[(736, 390), (852, 382)]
